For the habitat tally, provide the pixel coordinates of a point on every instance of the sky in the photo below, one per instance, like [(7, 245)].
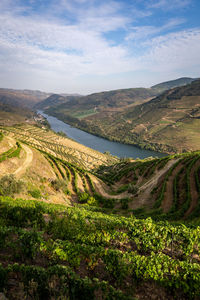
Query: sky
[(86, 46)]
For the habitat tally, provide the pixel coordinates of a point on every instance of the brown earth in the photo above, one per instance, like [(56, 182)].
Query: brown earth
[(193, 190), (168, 196), (145, 190)]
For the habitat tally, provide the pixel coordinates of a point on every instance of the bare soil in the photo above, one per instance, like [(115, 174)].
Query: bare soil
[(26, 163), (144, 197), (168, 197), (193, 190)]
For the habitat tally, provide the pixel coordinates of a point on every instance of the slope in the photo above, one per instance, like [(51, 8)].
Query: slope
[(108, 101), (119, 115), (53, 251), (26, 98), (167, 123), (50, 163), (161, 87), (71, 239)]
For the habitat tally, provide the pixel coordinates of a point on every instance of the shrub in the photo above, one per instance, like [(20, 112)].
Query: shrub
[(124, 203), (35, 193), (58, 184), (61, 133), (83, 197), (133, 189), (9, 185), (92, 201)]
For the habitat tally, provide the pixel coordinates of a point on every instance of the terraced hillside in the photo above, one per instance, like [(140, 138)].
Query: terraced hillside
[(52, 167), (73, 242), (60, 147), (167, 188)]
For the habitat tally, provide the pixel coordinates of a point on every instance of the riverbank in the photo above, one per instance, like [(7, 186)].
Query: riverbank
[(125, 138), (99, 143)]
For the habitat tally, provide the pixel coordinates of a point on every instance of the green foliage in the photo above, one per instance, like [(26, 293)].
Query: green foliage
[(83, 197), (124, 203), (13, 152), (61, 133), (76, 240), (132, 189), (10, 186), (92, 201), (1, 136), (35, 193), (60, 185)]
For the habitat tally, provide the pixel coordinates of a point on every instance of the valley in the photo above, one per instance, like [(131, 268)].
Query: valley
[(71, 214), (98, 143), (99, 150), (166, 123), (80, 224)]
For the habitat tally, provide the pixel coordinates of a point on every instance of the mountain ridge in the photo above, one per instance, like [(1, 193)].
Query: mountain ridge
[(132, 125)]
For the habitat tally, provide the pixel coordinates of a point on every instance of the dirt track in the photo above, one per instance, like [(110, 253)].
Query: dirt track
[(27, 161), (101, 189), (145, 189)]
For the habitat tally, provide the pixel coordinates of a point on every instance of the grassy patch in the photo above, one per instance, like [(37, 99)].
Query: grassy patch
[(84, 114)]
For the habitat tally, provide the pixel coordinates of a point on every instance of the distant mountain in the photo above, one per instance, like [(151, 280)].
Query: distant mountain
[(161, 87), (55, 100), (12, 112), (112, 101), (169, 122), (51, 101), (26, 98), (16, 105), (97, 103)]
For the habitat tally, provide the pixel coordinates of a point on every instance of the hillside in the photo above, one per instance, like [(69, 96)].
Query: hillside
[(79, 224), (14, 114), (68, 236), (16, 106), (99, 103), (113, 183), (167, 123), (26, 98), (54, 100), (109, 101), (167, 85)]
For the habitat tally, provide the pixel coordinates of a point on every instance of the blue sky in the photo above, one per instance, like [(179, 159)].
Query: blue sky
[(85, 46)]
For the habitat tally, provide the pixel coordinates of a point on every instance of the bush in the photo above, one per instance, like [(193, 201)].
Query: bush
[(61, 133), (59, 184), (133, 189), (35, 193), (124, 203), (9, 185), (83, 197), (92, 201)]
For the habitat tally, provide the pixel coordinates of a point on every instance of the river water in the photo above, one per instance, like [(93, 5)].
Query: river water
[(98, 143)]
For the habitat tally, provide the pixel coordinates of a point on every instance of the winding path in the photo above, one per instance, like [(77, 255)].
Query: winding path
[(27, 161), (146, 188), (100, 187)]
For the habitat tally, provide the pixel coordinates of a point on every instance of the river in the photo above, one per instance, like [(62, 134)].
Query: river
[(98, 143)]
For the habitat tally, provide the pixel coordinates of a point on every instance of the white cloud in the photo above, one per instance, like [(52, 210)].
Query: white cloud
[(54, 52), (175, 51), (168, 4), (143, 32), (59, 48)]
